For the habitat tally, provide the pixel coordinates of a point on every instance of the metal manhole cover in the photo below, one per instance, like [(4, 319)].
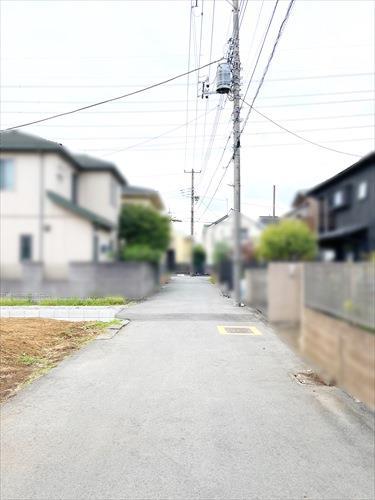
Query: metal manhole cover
[(238, 330)]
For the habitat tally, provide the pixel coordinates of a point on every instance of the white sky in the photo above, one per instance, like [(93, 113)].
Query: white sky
[(59, 55)]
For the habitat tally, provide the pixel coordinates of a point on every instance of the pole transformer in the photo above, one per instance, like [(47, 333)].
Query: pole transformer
[(236, 87)]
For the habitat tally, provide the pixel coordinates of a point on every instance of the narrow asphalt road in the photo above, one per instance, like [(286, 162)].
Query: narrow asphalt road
[(170, 408)]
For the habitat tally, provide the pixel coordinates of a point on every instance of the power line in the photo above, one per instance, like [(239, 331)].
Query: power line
[(158, 136), (315, 103), (243, 9), (167, 148), (139, 111), (300, 136), (188, 79), (256, 27), (279, 34), (207, 206), (196, 100), (311, 77), (209, 73), (217, 167), (175, 101), (261, 48), (115, 98), (252, 74), (213, 136), (287, 119), (116, 112), (148, 138)]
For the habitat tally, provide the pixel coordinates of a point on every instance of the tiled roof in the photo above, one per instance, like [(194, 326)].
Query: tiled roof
[(13, 140)]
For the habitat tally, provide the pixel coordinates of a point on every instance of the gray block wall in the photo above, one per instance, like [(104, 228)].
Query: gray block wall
[(134, 280)]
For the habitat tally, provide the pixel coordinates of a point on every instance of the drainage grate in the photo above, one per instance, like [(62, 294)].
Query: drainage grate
[(239, 330), (309, 378)]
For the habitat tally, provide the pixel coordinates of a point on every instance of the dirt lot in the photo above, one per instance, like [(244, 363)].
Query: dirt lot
[(30, 347)]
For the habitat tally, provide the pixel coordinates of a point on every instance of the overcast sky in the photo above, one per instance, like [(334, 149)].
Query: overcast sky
[(59, 55)]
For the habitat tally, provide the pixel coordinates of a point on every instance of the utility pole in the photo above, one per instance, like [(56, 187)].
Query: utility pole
[(274, 202), (192, 197), (236, 86)]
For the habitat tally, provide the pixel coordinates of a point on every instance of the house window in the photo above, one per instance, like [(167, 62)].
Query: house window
[(362, 190), (338, 199), (6, 174), (95, 257), (25, 247), (113, 193), (75, 188), (60, 173), (244, 233)]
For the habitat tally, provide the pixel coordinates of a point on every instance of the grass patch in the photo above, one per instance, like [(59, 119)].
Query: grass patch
[(68, 301), (105, 324), (28, 360), (13, 301)]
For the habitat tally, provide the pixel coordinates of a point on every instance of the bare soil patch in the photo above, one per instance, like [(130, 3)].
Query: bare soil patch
[(30, 347)]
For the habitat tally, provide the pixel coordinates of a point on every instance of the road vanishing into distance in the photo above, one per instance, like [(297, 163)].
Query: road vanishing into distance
[(193, 399)]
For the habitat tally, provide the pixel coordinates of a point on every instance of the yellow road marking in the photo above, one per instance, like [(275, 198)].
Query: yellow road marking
[(246, 330)]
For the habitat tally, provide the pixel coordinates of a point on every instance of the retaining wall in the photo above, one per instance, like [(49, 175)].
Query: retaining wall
[(344, 352), (134, 280)]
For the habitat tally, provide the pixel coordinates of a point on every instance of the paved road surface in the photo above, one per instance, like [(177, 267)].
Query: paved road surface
[(172, 409)]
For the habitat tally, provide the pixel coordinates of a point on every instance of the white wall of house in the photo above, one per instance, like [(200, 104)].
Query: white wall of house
[(57, 235), (107, 189), (223, 232), (67, 238), (58, 175), (19, 211)]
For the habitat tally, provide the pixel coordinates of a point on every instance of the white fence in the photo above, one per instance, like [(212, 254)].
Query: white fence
[(344, 290)]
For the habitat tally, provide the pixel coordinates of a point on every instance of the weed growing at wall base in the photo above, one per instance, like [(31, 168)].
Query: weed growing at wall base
[(68, 301)]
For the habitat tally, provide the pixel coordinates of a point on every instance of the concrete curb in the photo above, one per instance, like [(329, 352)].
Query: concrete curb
[(112, 330)]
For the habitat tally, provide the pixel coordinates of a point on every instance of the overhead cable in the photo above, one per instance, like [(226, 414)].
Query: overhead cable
[(123, 96)]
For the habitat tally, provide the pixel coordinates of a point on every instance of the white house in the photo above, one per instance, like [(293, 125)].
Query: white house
[(56, 207), (222, 231)]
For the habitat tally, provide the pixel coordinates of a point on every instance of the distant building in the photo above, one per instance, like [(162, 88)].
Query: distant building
[(179, 252), (346, 212), (266, 220), (134, 195), (306, 209), (222, 231), (56, 207)]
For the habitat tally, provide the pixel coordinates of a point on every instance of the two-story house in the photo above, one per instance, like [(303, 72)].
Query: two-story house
[(135, 195), (306, 209), (56, 207), (346, 211), (221, 231)]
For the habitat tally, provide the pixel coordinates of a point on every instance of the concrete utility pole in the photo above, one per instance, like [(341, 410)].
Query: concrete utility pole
[(236, 86), (192, 172), (274, 202)]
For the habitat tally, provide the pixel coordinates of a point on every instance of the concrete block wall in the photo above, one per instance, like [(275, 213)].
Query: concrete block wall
[(345, 353), (134, 280), (284, 292), (256, 283)]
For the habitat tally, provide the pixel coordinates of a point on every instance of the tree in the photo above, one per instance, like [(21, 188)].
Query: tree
[(140, 225), (289, 240), (221, 252), (146, 233), (199, 258)]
